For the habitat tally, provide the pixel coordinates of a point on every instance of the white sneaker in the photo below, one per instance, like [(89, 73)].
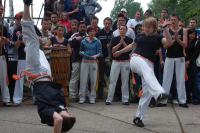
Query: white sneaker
[(92, 101), (175, 101), (81, 101)]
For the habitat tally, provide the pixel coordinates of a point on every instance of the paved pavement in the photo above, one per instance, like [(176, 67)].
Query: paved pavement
[(99, 118)]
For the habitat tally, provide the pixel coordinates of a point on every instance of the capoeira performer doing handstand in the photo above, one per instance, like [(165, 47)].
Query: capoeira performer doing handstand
[(49, 97), (142, 63)]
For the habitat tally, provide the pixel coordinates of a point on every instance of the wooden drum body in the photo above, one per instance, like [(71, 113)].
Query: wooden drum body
[(60, 68)]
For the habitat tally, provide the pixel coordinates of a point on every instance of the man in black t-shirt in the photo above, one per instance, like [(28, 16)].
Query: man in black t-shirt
[(21, 63), (75, 42), (175, 60), (121, 63), (104, 36)]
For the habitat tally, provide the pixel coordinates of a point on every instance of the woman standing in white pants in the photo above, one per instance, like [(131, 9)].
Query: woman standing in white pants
[(142, 63), (120, 65)]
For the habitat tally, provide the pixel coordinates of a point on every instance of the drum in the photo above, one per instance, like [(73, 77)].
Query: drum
[(60, 68)]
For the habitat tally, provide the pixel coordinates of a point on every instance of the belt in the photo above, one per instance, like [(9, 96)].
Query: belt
[(11, 59), (41, 78), (122, 60), (134, 54), (90, 61)]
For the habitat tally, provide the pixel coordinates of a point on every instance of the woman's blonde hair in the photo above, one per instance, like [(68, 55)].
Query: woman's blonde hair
[(151, 21)]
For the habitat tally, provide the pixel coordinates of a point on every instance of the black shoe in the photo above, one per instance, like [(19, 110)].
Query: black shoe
[(108, 103), (161, 105), (184, 105), (74, 100), (125, 103), (162, 96), (138, 122), (195, 103), (28, 2)]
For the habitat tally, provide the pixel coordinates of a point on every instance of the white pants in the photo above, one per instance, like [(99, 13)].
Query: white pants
[(88, 70), (3, 80), (116, 68), (150, 85), (19, 84), (74, 81), (179, 65), (36, 61)]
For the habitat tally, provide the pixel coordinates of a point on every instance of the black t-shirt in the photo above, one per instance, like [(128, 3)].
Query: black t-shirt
[(5, 34), (75, 45), (15, 37), (105, 38), (68, 35), (80, 15), (176, 50), (192, 51), (55, 41), (115, 41), (146, 46)]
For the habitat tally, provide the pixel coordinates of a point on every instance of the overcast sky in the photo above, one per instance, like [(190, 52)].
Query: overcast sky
[(106, 5)]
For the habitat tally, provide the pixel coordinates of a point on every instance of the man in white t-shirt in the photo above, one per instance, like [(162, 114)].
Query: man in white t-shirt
[(121, 20), (133, 22)]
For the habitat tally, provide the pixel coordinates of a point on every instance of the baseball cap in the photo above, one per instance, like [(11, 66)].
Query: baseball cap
[(123, 10)]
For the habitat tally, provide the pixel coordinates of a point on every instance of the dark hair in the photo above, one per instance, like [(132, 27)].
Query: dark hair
[(68, 123), (54, 13), (149, 11), (90, 28), (95, 18), (123, 26), (81, 22), (108, 19), (121, 15), (165, 9), (45, 19), (193, 19), (175, 15), (192, 30), (60, 26), (137, 28)]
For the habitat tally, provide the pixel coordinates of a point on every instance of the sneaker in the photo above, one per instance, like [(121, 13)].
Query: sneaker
[(81, 101), (138, 122), (162, 96), (174, 101), (125, 103), (161, 105), (16, 104), (92, 102), (184, 105), (7, 104), (108, 103), (28, 2)]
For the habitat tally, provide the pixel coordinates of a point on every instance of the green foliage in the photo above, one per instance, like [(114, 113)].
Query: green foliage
[(129, 5), (185, 9)]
